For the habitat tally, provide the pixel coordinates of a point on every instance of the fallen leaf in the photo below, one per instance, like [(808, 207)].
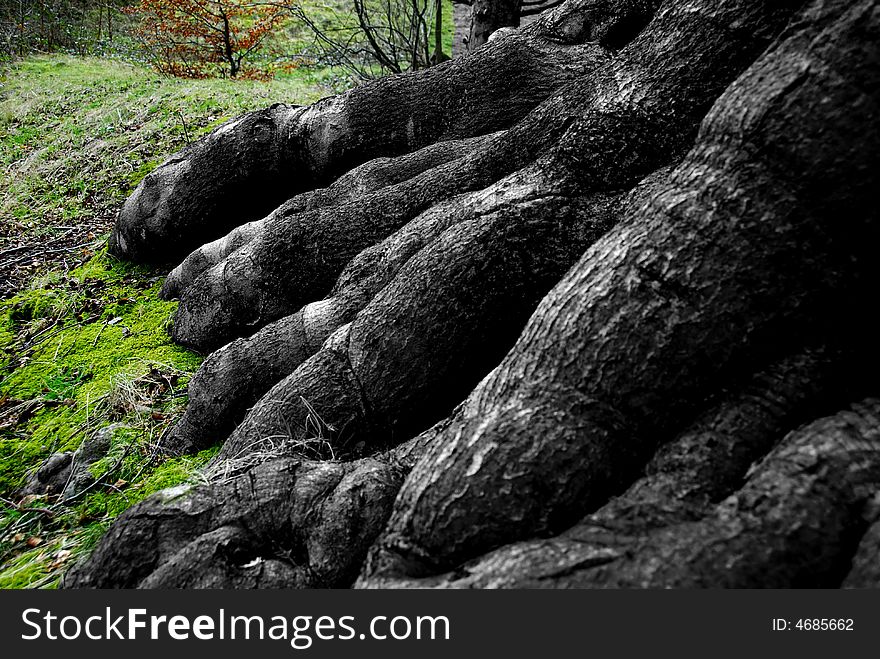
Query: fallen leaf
[(63, 554), (60, 559), (34, 541), (31, 498)]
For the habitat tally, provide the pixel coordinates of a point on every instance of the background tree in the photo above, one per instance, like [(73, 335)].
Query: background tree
[(477, 20), (376, 37), (488, 16), (194, 38), (79, 26)]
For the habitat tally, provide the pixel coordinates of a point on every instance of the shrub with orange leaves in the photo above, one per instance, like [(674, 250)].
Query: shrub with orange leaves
[(203, 38)]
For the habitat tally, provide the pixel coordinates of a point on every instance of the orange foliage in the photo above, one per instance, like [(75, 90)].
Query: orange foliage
[(201, 38)]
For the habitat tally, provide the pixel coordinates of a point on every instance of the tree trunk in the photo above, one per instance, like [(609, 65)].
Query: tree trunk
[(618, 288), (487, 16)]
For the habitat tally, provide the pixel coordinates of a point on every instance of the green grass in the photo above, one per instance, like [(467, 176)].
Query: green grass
[(76, 134), (80, 352), (85, 345)]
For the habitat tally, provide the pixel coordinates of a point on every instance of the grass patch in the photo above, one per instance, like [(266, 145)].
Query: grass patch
[(84, 347), (77, 134), (84, 352)]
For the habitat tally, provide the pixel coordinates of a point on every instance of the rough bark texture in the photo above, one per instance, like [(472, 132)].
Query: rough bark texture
[(487, 16), (794, 523), (692, 181), (661, 309), (684, 483), (251, 164)]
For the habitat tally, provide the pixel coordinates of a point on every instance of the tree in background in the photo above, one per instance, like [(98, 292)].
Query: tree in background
[(80, 26), (195, 38), (487, 16), (376, 37)]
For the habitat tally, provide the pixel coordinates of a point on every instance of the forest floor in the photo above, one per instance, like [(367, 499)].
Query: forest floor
[(83, 340)]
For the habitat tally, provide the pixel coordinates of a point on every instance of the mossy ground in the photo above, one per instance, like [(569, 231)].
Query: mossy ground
[(82, 351), (83, 337)]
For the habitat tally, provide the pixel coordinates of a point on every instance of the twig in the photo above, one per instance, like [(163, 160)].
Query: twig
[(43, 252), (22, 509), (183, 123), (98, 335)]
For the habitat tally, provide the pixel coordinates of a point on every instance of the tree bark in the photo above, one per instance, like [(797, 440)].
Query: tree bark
[(487, 16), (795, 523), (865, 572), (684, 291)]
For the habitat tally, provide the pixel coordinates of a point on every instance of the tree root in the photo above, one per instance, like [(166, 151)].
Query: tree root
[(622, 437)]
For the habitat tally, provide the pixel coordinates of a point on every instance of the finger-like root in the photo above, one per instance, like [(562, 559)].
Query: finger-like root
[(506, 264), (685, 293), (252, 164), (365, 179), (262, 522), (460, 337), (233, 378)]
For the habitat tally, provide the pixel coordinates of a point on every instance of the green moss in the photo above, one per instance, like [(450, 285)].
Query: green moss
[(86, 349), (30, 305), (113, 328), (168, 473)]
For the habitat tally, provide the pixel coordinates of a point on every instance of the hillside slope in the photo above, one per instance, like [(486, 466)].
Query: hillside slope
[(83, 347)]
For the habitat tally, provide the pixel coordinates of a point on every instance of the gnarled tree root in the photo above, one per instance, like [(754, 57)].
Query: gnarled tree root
[(606, 447), (260, 522), (505, 246)]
